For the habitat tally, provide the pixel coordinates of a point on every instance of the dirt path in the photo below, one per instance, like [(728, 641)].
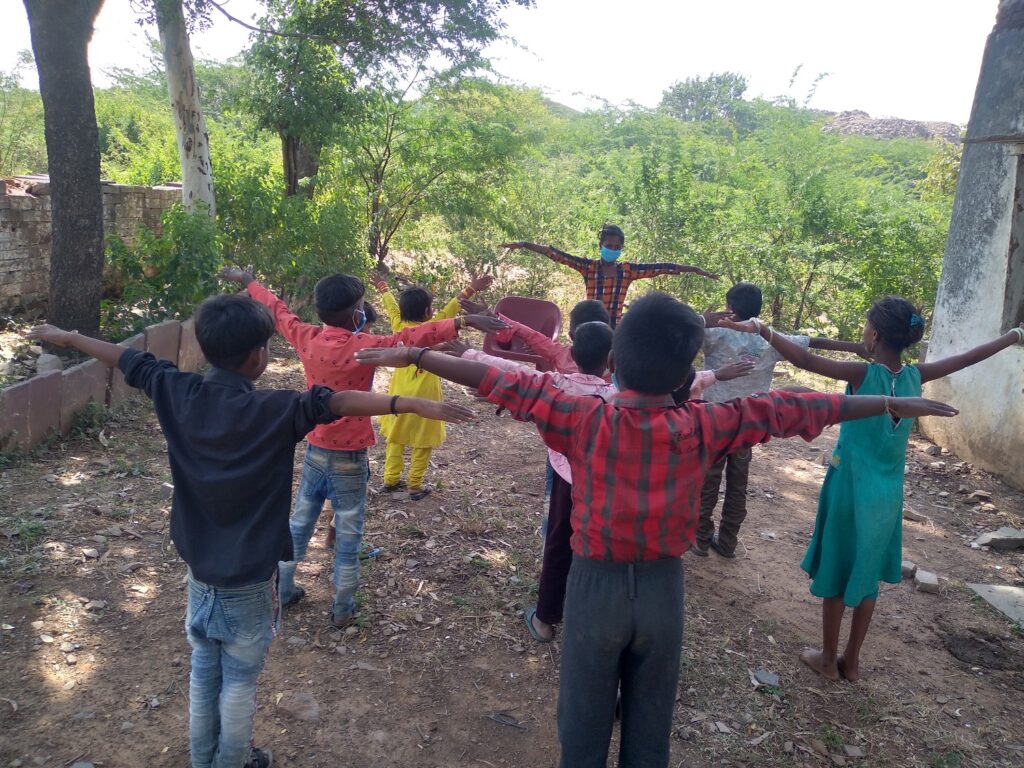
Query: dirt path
[(441, 671)]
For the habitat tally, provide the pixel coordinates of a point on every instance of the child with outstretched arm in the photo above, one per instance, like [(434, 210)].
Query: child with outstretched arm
[(412, 308), (636, 464), (231, 449), (336, 465), (723, 345), (858, 532)]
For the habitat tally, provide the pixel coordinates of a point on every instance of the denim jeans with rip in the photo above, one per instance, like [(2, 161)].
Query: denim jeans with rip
[(340, 476), (230, 631)]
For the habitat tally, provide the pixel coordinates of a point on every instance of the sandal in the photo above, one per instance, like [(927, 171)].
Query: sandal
[(534, 632), (399, 486), (297, 595), (419, 493)]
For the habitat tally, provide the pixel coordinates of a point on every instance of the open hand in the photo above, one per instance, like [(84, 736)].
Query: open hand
[(734, 370), (485, 323), (235, 275), (431, 409), (456, 347), (480, 283), (471, 307), (712, 319), (746, 326), (377, 277), (386, 357), (50, 334), (912, 407)]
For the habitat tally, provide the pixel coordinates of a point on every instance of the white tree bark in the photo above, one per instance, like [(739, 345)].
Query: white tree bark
[(189, 123)]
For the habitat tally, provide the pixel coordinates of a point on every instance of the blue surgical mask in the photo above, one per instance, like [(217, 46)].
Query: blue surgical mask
[(607, 254), (358, 326)]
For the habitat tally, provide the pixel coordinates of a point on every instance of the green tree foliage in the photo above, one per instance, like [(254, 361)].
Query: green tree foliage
[(824, 223), (22, 144), (705, 99)]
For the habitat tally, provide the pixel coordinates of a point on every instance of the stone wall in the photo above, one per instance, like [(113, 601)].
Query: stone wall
[(39, 408), (25, 232)]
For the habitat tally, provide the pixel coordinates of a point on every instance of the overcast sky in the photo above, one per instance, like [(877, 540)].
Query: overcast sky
[(916, 59)]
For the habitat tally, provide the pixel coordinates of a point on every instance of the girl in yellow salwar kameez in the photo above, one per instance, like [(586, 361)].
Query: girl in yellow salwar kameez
[(412, 307)]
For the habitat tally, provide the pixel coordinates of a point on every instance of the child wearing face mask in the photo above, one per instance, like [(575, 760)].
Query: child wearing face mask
[(608, 279), (336, 465), (414, 307)]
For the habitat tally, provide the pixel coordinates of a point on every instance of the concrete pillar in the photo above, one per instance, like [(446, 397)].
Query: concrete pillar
[(982, 280)]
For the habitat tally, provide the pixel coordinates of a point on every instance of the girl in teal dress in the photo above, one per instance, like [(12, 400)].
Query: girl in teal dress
[(858, 532)]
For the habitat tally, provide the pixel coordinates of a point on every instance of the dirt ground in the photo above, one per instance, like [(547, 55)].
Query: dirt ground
[(441, 671)]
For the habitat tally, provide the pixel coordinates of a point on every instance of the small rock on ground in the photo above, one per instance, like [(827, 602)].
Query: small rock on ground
[(926, 581)]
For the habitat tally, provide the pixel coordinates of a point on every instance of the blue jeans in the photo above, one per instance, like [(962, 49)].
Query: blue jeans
[(340, 476), (230, 632)]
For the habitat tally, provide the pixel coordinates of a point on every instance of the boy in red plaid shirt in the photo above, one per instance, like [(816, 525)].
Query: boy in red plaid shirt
[(638, 463)]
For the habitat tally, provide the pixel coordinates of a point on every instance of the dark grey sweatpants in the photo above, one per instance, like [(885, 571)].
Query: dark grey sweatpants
[(623, 626)]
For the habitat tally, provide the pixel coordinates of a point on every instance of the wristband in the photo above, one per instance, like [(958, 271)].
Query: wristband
[(394, 405), (1020, 334), (420, 357), (467, 292), (382, 286)]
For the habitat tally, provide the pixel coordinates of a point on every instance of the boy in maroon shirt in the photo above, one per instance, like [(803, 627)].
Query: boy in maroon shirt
[(336, 466), (638, 463)]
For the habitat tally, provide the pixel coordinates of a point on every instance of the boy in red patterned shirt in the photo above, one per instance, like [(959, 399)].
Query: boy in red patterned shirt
[(638, 462)]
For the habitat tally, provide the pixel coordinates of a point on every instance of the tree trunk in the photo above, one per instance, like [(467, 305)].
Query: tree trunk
[(61, 30), (301, 161), (189, 123)]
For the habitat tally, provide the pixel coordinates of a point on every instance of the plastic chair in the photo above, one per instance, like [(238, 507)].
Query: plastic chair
[(543, 316)]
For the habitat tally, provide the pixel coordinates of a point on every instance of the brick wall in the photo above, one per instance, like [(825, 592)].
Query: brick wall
[(25, 232)]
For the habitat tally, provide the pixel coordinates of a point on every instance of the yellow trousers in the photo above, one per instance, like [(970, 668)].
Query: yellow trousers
[(394, 463)]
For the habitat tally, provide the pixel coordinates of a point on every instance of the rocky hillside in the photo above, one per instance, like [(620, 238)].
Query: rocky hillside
[(862, 124)]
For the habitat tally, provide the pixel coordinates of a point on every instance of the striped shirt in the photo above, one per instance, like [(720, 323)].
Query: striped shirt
[(609, 282), (639, 461)]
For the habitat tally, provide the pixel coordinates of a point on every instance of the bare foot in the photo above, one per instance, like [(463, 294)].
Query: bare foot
[(816, 660), (544, 629), (849, 671)]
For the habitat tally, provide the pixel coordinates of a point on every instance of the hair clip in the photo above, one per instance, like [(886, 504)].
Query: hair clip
[(916, 320)]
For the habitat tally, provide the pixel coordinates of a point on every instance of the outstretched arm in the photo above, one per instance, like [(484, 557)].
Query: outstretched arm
[(954, 363), (465, 372), (836, 345), (800, 357), (668, 268), (107, 353), (353, 403), (557, 256)]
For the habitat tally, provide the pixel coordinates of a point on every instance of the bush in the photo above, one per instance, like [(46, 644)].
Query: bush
[(161, 275)]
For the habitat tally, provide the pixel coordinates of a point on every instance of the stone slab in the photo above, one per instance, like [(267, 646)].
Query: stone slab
[(1006, 599), (81, 385), (162, 340), (30, 412), (120, 392), (190, 356), (1003, 540)]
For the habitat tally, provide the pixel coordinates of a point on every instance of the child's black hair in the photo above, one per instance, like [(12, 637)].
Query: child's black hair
[(745, 300), (588, 311), (335, 295), (230, 327), (414, 304), (898, 322), (591, 344), (682, 394), (655, 344), (611, 230)]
